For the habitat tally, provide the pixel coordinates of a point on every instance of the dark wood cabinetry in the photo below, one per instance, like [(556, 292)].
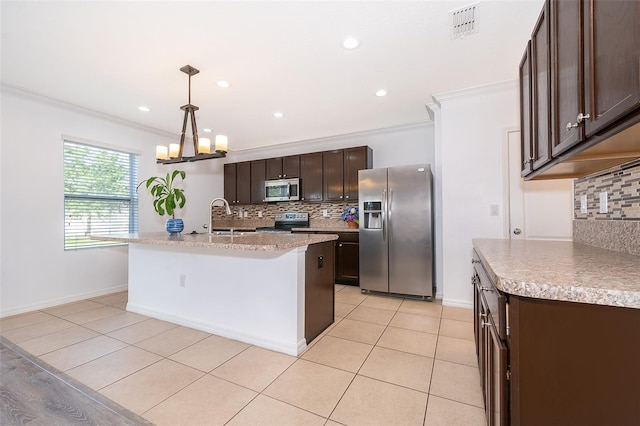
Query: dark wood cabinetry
[(237, 183), (341, 172), (333, 172), (347, 258), (319, 289), (588, 80), (283, 167), (258, 174), (526, 110), (311, 177)]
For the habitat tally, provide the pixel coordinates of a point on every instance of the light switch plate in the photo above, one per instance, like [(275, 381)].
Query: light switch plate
[(325, 213), (494, 209), (604, 208), (583, 203)]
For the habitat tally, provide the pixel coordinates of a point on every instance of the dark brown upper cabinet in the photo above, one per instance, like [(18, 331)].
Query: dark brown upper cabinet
[(526, 111), (258, 173), (333, 171), (311, 177), (237, 183), (541, 79), (274, 168), (341, 172), (283, 167)]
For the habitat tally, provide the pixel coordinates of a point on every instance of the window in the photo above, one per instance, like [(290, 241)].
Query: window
[(99, 194)]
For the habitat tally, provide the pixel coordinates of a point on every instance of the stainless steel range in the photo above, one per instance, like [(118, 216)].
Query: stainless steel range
[(284, 222)]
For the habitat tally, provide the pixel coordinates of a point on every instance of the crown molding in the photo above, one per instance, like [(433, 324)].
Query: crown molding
[(6, 89), (474, 92)]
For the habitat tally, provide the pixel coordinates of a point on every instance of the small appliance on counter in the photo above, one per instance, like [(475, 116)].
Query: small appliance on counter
[(396, 230), (284, 222)]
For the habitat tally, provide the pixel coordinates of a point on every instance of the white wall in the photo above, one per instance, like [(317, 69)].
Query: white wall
[(469, 171), (35, 271)]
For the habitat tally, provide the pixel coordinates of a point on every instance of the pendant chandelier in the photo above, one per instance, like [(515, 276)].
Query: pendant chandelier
[(201, 146)]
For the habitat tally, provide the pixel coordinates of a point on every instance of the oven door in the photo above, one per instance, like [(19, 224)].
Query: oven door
[(282, 190)]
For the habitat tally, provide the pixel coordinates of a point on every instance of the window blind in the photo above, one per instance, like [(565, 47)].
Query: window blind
[(99, 194)]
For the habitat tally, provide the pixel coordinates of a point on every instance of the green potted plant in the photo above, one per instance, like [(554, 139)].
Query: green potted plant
[(167, 198)]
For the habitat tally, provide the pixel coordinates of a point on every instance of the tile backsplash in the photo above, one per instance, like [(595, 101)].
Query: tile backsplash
[(619, 228)]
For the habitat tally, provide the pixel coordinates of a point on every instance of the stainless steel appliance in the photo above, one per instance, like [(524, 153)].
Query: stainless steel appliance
[(284, 222), (396, 230), (282, 190)]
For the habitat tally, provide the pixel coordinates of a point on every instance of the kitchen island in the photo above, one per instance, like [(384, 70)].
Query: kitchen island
[(269, 290), (557, 329)]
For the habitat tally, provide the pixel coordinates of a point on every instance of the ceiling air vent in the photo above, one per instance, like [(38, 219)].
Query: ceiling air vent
[(464, 21)]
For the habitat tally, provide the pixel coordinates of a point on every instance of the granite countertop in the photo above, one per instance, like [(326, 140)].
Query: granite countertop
[(251, 241), (325, 229), (562, 270)]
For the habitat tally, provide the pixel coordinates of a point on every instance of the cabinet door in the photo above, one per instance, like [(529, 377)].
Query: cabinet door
[(230, 183), (258, 173), (291, 166), (477, 312), (496, 374), (274, 168), (566, 74), (243, 183), (347, 265), (333, 175), (311, 177), (526, 111), (354, 159), (540, 67), (612, 65)]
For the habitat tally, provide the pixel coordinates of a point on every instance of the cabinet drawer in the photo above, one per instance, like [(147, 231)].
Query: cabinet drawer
[(495, 300)]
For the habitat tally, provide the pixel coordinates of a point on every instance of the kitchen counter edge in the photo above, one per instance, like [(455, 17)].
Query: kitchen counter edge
[(562, 270)]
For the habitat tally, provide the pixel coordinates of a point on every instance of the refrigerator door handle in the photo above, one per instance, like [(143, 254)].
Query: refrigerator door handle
[(389, 211), (384, 213)]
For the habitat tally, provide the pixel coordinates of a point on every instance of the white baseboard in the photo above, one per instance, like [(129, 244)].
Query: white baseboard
[(457, 303), (60, 301)]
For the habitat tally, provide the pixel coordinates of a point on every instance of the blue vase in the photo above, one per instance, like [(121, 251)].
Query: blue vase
[(175, 226)]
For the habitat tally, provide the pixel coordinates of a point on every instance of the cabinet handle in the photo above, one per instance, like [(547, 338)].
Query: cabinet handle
[(302, 198), (581, 117), (485, 324), (346, 196), (485, 288), (341, 197), (571, 126), (475, 261), (284, 175), (279, 176), (339, 245)]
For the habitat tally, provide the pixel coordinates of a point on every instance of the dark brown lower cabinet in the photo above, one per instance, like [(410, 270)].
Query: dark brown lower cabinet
[(319, 289), (347, 259)]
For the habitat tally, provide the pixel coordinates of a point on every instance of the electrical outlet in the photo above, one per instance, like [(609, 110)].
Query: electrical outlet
[(246, 214), (260, 213), (325, 213), (604, 205), (183, 280)]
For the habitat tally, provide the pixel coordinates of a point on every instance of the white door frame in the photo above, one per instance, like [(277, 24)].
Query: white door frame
[(506, 196)]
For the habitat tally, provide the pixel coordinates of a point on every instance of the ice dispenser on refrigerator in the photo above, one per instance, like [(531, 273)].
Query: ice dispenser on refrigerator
[(372, 215)]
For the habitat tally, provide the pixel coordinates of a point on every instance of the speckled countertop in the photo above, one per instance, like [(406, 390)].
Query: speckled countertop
[(251, 241), (562, 270)]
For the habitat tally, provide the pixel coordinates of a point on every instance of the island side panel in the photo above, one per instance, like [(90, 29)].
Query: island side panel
[(319, 289), (251, 296)]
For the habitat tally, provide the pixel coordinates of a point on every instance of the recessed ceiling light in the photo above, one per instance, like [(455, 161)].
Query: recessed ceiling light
[(223, 83), (278, 114), (144, 108), (206, 130), (380, 93), (350, 43)]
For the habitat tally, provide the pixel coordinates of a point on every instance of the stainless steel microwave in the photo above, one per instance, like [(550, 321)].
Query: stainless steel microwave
[(282, 190)]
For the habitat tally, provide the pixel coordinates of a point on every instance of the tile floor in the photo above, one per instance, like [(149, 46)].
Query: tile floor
[(385, 361)]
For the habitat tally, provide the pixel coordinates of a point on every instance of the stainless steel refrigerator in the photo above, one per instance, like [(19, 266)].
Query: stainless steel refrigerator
[(396, 230)]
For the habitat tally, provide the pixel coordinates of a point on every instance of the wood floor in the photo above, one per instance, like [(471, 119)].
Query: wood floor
[(36, 394)]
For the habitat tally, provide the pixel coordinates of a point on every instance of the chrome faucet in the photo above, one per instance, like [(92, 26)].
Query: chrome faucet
[(227, 208)]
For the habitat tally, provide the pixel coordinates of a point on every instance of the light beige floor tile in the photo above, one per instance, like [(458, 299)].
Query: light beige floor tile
[(207, 401), (458, 329), (80, 353), (72, 308), (112, 367), (115, 322), (120, 305), (339, 287), (457, 382), (332, 423), (383, 302), (458, 314), (457, 350), (352, 289), (349, 297), (374, 315), (268, 411), (372, 402), (172, 341), (415, 322), (339, 353), (444, 412), (360, 331), (23, 320), (343, 309), (151, 385), (209, 353), (89, 315), (420, 307), (399, 368), (113, 298), (411, 341), (310, 386), (254, 368), (58, 340), (29, 332), (140, 331)]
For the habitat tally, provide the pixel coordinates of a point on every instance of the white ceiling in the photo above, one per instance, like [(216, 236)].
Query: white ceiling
[(279, 56)]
